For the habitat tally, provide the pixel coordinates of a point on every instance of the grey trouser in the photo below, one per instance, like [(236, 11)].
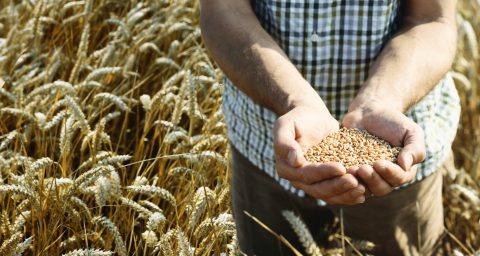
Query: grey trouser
[(407, 221)]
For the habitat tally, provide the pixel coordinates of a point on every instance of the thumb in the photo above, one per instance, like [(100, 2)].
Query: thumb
[(413, 151), (285, 146), (352, 120)]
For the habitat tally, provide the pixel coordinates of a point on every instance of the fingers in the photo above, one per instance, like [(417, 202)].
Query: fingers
[(329, 188), (310, 173), (285, 145), (343, 190), (413, 151), (394, 174), (351, 197), (373, 181)]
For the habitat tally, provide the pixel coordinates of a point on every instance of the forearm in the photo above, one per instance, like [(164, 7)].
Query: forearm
[(410, 65), (250, 58)]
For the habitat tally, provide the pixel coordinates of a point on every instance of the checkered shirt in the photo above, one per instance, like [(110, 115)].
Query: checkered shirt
[(333, 43)]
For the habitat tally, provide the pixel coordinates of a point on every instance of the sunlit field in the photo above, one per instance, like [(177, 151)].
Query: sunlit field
[(112, 140)]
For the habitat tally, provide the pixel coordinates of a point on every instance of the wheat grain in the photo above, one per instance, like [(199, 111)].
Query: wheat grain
[(146, 102), (5, 225), (223, 199), (193, 108), (204, 228), (100, 72), (136, 16), (155, 221), (204, 196), (54, 66), (167, 62), (111, 116), (205, 80), (209, 142), (302, 232), (22, 59), (102, 188), (18, 190), (18, 113), (78, 114), (206, 68), (71, 241), (8, 138), (144, 212), (8, 246), (55, 120), (112, 228), (113, 160), (178, 26), (234, 248), (21, 220), (352, 147), (41, 163), (88, 177), (41, 119), (174, 136), (55, 183), (149, 46), (8, 95), (150, 238), (185, 249), (121, 25), (21, 247), (81, 204), (108, 55), (165, 243), (129, 68), (39, 7), (170, 125), (472, 42), (65, 142), (468, 193), (113, 99), (98, 157), (47, 88), (199, 158), (70, 5), (88, 252), (154, 191), (151, 205)]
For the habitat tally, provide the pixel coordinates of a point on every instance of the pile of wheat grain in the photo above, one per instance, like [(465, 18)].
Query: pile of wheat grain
[(352, 147), (112, 139)]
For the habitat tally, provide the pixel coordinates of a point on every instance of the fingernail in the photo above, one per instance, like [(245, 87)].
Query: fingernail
[(381, 168), (408, 162), (348, 185), (292, 157), (361, 199), (357, 192)]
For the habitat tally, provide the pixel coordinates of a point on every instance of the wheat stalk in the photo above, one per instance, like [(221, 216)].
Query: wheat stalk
[(112, 228), (88, 252), (302, 232)]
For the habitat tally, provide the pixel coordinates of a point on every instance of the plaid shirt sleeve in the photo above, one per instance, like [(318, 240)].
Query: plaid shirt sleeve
[(332, 43)]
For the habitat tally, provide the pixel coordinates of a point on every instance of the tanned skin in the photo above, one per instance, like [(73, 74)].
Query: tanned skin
[(408, 67)]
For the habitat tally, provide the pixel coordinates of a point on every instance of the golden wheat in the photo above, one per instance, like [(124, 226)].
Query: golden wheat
[(151, 176)]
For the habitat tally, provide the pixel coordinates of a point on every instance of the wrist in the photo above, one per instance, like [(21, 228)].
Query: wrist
[(373, 100), (305, 96)]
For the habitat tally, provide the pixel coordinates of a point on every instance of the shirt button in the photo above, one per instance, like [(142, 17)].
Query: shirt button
[(314, 37)]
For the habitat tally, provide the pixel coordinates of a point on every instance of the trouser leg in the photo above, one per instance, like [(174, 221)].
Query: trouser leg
[(261, 196), (408, 221)]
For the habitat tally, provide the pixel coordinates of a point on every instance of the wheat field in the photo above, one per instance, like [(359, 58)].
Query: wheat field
[(112, 140)]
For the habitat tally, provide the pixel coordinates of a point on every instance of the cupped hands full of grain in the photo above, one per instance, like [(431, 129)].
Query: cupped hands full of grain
[(352, 147)]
